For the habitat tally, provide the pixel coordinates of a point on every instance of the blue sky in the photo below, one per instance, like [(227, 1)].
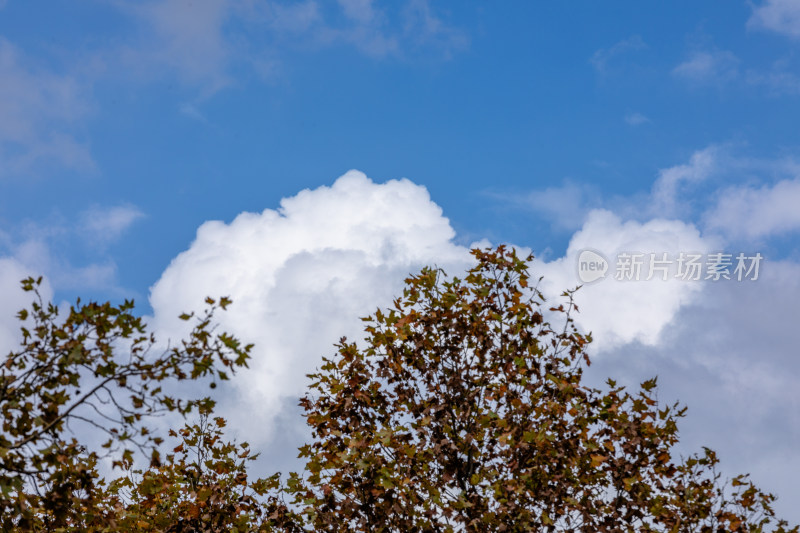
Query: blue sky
[(126, 126)]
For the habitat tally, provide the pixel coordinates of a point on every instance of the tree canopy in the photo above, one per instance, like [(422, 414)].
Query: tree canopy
[(464, 408), (98, 369)]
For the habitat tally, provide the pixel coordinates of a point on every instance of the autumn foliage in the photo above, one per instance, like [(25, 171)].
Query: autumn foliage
[(463, 409)]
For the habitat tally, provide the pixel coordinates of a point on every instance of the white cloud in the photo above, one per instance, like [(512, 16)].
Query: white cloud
[(730, 356), (781, 16), (777, 81), (203, 43), (190, 110), (424, 28), (12, 271), (37, 112), (102, 225), (359, 10), (50, 247), (753, 213), (565, 206), (623, 312), (636, 119), (184, 37), (300, 277), (710, 66), (37, 255), (378, 32), (666, 201), (295, 17), (603, 57)]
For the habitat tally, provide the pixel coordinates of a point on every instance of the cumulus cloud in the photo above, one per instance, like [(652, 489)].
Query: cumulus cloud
[(37, 112), (730, 356), (620, 312), (301, 276), (753, 213), (781, 16)]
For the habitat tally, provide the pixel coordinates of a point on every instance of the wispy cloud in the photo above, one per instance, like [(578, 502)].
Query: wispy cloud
[(38, 112), (602, 58), (103, 225), (780, 16), (426, 29), (636, 119), (205, 46), (776, 81), (564, 206), (190, 110), (180, 37), (72, 252), (708, 67), (757, 212), (204, 43), (666, 198)]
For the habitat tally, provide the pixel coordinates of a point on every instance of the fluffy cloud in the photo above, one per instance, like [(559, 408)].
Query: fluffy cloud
[(302, 275), (781, 16), (730, 356), (753, 213), (623, 312)]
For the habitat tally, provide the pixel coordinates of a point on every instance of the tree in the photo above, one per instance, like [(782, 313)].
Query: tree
[(202, 487), (96, 369), (465, 411)]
